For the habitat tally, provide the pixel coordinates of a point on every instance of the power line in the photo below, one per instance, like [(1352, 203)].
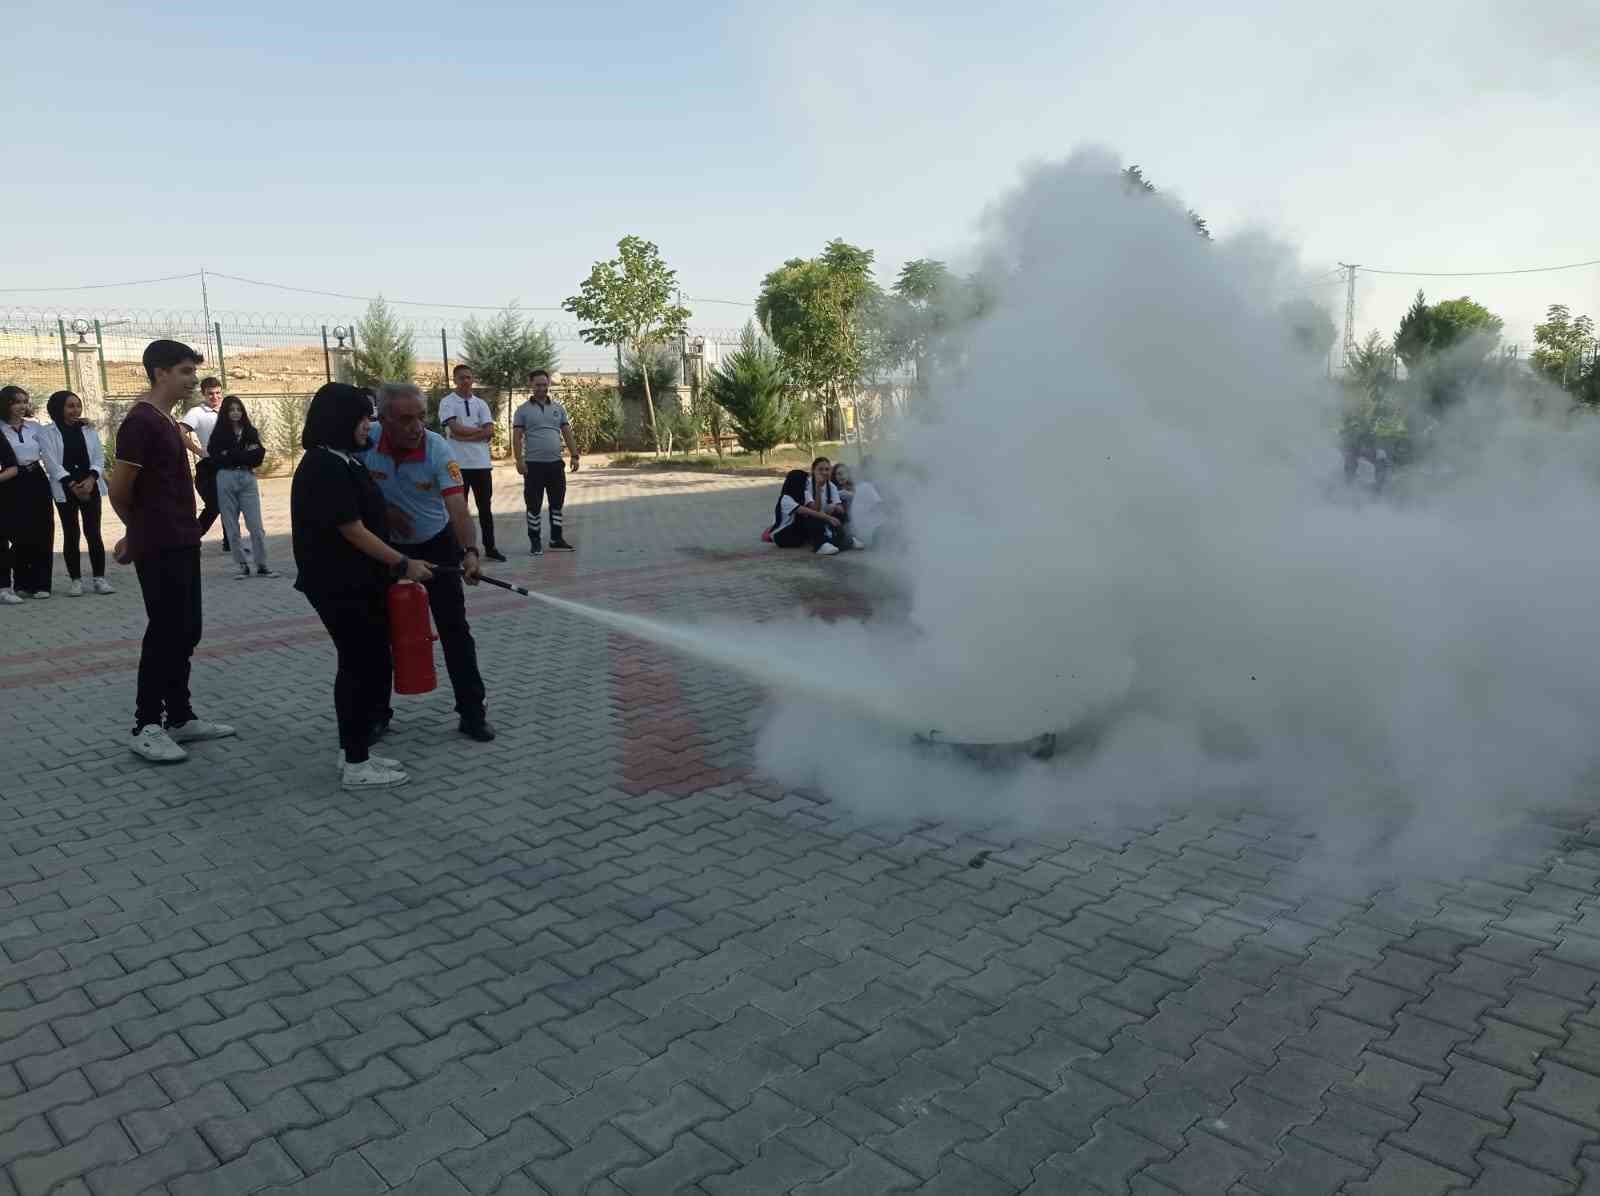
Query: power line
[(278, 286), (729, 302), (1482, 273), (103, 286)]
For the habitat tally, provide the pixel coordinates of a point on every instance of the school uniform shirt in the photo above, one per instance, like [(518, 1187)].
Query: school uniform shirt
[(331, 489), (202, 421), (541, 426), (163, 489), (471, 412), (52, 440), (786, 509), (866, 508), (25, 443), (416, 482), (830, 495)]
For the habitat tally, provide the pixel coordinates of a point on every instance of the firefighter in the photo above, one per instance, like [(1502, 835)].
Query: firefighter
[(340, 524), (425, 494)]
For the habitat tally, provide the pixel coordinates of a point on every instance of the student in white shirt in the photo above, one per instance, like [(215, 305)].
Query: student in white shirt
[(862, 503), (75, 466), (25, 506), (469, 427), (196, 427), (801, 519)]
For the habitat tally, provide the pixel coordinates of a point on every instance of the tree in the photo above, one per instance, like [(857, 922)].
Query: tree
[(753, 387), (1370, 366), (1311, 328), (1133, 179), (650, 374), (505, 350), (1564, 342), (817, 312), (627, 301), (1445, 346), (385, 349)]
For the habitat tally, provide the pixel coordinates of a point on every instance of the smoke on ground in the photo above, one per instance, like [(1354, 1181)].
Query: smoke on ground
[(1128, 508)]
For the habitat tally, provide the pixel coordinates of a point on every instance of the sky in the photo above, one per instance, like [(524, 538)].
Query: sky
[(478, 152)]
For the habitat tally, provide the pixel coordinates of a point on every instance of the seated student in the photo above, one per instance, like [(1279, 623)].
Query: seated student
[(797, 523), (862, 503)]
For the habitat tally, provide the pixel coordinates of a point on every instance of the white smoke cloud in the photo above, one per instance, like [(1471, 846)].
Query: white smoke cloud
[(1129, 507)]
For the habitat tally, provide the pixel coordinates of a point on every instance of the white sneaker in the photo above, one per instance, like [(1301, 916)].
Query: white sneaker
[(41, 595), (9, 597), (75, 589), (368, 775), (388, 763), (102, 586), (197, 729), (827, 549), (156, 745)]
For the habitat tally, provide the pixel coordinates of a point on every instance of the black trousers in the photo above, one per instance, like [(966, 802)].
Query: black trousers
[(73, 513), (169, 579), (33, 530), (811, 533), (447, 600), (541, 477), (359, 627), (205, 485), (480, 484)]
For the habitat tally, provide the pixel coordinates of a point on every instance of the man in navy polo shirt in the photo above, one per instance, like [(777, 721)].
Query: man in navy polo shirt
[(428, 521)]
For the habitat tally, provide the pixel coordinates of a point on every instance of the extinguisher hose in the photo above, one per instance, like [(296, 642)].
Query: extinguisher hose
[(485, 579)]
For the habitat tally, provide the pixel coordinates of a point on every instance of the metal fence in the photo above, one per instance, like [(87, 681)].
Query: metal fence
[(253, 353)]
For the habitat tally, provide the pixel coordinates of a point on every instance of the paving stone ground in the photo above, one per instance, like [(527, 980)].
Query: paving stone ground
[(604, 955)]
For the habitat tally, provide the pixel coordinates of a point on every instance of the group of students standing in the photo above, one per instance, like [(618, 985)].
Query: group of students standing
[(48, 472)]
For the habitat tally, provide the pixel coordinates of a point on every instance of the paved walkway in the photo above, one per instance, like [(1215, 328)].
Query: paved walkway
[(600, 955)]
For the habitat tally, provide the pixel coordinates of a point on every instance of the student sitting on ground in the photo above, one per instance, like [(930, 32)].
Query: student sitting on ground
[(798, 524), (862, 503)]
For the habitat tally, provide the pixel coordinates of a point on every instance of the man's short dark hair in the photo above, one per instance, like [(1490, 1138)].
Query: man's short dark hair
[(459, 368), (545, 374), (210, 383), (164, 355)]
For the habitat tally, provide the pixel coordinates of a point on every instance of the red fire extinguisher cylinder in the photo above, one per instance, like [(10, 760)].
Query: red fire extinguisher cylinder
[(411, 639)]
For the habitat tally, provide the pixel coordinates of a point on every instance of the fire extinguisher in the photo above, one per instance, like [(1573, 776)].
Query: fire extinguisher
[(411, 639)]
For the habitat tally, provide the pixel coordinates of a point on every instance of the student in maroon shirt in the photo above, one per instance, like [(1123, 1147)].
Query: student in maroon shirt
[(152, 493)]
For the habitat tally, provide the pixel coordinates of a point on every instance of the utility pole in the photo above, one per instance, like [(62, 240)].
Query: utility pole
[(205, 302), (1349, 311)]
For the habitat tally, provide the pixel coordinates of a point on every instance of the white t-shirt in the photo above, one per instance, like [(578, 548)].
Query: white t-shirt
[(25, 444), (202, 421), (830, 495), (454, 411)]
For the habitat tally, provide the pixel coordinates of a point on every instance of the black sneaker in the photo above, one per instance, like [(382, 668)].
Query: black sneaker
[(477, 728), (265, 572), (559, 545), (493, 554), (536, 549)]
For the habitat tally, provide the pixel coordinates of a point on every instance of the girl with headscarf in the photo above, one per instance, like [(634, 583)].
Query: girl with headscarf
[(75, 464), (798, 523), (339, 522)]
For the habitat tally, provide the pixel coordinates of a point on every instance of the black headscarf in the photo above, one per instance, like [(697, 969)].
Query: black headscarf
[(331, 419), (794, 486)]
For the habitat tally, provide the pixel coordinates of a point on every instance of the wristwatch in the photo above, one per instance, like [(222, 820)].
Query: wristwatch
[(473, 549), (398, 569)]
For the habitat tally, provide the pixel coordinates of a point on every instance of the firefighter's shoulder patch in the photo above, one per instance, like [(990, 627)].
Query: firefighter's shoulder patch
[(455, 473)]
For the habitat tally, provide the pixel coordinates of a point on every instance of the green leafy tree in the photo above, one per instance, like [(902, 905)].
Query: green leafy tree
[(596, 414), (385, 348), (655, 372), (1563, 345), (819, 312), (1445, 346), (504, 350), (753, 387), (628, 301)]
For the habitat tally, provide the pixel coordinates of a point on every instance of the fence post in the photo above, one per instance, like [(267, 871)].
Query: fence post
[(222, 364), (100, 348), (327, 362), (444, 350), (66, 369)]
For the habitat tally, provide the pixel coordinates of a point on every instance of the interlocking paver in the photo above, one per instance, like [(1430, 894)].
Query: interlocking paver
[(626, 937)]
